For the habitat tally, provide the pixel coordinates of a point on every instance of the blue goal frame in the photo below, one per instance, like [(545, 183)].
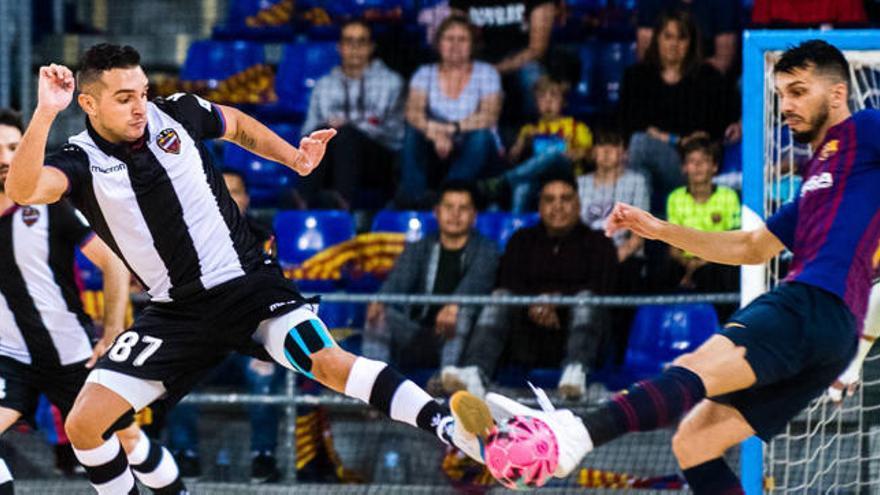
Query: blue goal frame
[(755, 44)]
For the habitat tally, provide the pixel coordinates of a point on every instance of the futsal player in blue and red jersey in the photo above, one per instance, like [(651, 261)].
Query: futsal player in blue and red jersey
[(784, 348)]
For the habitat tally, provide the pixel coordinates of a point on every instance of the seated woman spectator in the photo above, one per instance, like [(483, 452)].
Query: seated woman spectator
[(704, 206), (451, 112), (555, 143), (672, 97), (610, 183), (516, 36)]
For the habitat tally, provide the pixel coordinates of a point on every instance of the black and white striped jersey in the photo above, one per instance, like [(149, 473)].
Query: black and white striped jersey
[(159, 203), (42, 321)]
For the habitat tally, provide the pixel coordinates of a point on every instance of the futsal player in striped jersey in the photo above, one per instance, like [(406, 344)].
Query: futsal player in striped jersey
[(787, 346), (46, 338), (141, 175)]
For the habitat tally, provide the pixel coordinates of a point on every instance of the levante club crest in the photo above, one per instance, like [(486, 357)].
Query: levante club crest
[(30, 215), (169, 141)]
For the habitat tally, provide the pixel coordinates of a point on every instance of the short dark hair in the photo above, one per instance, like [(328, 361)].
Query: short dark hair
[(608, 136), (559, 176), (706, 145), (819, 54), (686, 23), (458, 186), (103, 57), (356, 21), (11, 118)]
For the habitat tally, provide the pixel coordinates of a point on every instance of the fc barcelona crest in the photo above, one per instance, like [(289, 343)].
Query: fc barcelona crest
[(29, 215), (169, 141)]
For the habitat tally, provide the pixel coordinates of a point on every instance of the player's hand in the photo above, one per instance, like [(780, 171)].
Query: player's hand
[(446, 320), (55, 89), (311, 151), (101, 348), (845, 386), (636, 220)]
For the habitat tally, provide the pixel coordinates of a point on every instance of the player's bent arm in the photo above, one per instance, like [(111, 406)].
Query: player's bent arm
[(249, 133), (735, 247), (116, 285), (28, 181)]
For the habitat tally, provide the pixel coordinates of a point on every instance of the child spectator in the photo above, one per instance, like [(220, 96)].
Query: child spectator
[(556, 143)]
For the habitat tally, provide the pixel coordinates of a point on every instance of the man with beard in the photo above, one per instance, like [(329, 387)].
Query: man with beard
[(784, 348)]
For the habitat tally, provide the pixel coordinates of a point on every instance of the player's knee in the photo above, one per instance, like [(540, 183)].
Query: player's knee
[(80, 430), (685, 446)]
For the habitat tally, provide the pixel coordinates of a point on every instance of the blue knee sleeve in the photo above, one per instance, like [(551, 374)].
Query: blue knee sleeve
[(303, 340)]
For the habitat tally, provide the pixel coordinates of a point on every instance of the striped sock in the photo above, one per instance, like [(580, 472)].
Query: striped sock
[(107, 468), (713, 478), (647, 405), (385, 389), (154, 466), (5, 479)]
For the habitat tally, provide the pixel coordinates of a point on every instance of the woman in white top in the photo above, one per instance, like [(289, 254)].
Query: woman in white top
[(451, 114)]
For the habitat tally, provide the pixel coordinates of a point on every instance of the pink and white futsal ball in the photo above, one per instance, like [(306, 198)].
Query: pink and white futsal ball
[(522, 454)]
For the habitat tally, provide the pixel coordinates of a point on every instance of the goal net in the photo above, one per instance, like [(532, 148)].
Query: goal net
[(828, 448)]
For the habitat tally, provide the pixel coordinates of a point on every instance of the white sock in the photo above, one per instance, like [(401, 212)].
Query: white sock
[(152, 464), (107, 468)]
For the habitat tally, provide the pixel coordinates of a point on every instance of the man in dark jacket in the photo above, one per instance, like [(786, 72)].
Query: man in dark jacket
[(559, 256), (456, 260)]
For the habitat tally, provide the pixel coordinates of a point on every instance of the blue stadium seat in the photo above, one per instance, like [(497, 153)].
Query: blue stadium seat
[(266, 180), (235, 26), (89, 273), (660, 333), (415, 224), (499, 225), (302, 234), (584, 96), (302, 64), (217, 60), (613, 59)]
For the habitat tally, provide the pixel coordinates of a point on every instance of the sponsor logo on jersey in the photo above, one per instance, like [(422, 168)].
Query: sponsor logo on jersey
[(816, 182), (830, 148), (169, 141), (29, 215), (108, 170)]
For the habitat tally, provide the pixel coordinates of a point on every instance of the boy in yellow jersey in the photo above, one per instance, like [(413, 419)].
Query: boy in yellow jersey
[(704, 206), (556, 143)]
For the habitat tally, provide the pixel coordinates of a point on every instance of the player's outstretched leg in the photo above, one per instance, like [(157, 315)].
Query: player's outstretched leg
[(717, 367), (151, 463), (708, 431), (299, 340)]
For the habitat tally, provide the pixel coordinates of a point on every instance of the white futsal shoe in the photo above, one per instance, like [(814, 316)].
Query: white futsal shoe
[(571, 434), (471, 425)]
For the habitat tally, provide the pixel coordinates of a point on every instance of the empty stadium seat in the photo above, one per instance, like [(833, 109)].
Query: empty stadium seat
[(584, 96), (302, 234), (660, 333), (499, 225), (415, 224), (302, 64), (613, 59), (217, 60), (90, 275), (266, 180), (236, 25)]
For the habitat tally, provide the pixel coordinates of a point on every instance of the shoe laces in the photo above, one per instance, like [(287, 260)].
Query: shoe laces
[(543, 400)]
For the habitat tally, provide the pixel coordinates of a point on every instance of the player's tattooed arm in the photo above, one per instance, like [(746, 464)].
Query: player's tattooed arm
[(252, 135)]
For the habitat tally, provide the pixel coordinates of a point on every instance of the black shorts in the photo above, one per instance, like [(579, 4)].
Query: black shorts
[(178, 343), (798, 340), (21, 385)]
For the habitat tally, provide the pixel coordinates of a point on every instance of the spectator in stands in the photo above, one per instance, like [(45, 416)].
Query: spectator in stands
[(811, 13), (671, 97), (516, 37), (718, 23), (261, 378), (558, 256), (704, 206), (456, 260), (610, 183), (363, 100), (554, 143), (452, 111)]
